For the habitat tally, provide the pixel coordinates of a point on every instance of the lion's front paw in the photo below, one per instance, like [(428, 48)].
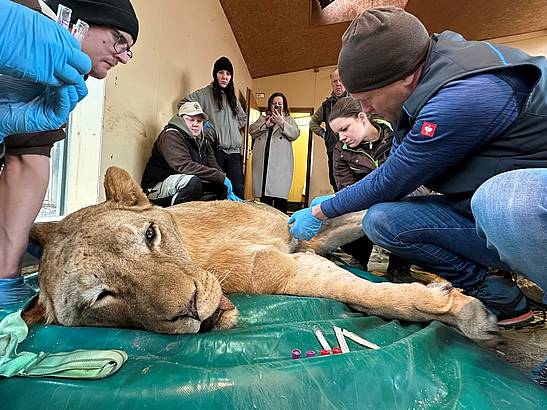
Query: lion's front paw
[(228, 319)]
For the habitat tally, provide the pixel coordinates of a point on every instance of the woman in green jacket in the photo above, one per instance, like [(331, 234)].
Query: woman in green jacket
[(226, 118)]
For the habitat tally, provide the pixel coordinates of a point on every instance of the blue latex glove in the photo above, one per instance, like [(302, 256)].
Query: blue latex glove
[(318, 199), (36, 48), (14, 290), (230, 196), (47, 111), (305, 225), (41, 71)]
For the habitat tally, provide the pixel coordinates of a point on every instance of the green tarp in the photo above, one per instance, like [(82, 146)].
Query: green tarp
[(419, 366)]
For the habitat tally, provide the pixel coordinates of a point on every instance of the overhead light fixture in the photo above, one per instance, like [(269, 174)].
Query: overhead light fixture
[(325, 3)]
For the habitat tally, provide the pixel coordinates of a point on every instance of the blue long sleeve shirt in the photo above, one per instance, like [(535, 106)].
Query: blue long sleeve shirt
[(467, 113)]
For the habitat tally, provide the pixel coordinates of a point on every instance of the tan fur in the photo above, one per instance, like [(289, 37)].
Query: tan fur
[(98, 269)]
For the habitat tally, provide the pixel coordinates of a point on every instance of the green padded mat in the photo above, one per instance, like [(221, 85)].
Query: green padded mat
[(419, 366)]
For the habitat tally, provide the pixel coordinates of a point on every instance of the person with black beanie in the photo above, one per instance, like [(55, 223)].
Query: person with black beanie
[(113, 30), (226, 118)]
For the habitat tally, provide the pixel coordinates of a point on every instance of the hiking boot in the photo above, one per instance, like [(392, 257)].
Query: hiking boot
[(503, 297)]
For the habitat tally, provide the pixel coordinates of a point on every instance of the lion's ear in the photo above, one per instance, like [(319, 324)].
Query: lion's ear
[(41, 232), (122, 189)]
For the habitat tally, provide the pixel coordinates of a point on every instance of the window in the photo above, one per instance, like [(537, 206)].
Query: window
[(54, 202)]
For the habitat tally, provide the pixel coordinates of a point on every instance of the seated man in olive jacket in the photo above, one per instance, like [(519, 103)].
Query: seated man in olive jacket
[(182, 166)]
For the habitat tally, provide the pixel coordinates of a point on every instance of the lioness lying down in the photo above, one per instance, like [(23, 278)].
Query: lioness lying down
[(127, 263)]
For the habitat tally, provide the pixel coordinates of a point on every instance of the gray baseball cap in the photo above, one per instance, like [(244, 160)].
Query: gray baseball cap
[(192, 108)]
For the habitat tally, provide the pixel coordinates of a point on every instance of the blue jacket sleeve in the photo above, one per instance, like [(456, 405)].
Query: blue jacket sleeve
[(466, 114)]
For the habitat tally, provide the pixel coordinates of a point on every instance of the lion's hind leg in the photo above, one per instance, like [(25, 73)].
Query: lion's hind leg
[(312, 275)]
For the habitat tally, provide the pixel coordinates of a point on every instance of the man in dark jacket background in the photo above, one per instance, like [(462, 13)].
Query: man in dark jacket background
[(322, 116)]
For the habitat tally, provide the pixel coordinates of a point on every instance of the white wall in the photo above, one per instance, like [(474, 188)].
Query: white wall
[(177, 45), (533, 43)]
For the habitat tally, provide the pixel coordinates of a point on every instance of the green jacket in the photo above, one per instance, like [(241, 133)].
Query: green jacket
[(224, 134)]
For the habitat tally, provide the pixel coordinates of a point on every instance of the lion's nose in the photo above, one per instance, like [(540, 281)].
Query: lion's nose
[(192, 307)]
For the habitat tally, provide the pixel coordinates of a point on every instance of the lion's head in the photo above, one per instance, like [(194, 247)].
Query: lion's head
[(122, 263)]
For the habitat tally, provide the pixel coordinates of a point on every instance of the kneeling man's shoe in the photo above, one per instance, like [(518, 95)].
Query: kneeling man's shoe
[(504, 298)]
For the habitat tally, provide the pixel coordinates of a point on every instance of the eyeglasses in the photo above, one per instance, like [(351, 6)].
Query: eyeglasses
[(120, 44)]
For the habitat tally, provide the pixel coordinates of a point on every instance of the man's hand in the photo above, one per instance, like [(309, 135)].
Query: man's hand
[(49, 110), (41, 71), (304, 224), (36, 48)]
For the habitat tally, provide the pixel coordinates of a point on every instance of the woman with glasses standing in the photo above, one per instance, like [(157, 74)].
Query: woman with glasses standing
[(113, 29), (273, 158), (226, 118)]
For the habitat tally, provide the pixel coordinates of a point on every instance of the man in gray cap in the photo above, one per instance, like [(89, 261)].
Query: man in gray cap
[(322, 116), (464, 111)]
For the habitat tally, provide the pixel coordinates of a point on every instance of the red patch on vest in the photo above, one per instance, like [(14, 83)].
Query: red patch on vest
[(428, 129)]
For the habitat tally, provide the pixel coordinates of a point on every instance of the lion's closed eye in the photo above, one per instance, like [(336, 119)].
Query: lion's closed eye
[(104, 297), (105, 293), (96, 296)]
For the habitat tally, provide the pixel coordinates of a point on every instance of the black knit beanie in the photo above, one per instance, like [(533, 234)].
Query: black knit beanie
[(223, 64), (113, 13), (381, 46)]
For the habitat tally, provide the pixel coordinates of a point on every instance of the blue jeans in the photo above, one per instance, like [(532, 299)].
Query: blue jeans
[(511, 214), (426, 231)]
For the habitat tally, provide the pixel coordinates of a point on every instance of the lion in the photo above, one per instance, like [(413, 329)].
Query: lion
[(127, 263)]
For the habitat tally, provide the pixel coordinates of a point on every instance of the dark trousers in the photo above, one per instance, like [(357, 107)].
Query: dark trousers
[(360, 249), (331, 172), (277, 203), (398, 269), (231, 166)]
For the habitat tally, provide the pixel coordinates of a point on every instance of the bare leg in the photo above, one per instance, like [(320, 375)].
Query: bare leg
[(23, 185)]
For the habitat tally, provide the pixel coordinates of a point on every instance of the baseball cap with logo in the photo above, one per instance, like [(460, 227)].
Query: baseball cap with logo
[(192, 108)]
